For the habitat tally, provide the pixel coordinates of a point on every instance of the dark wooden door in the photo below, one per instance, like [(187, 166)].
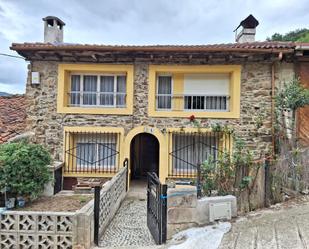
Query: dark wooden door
[(144, 155)]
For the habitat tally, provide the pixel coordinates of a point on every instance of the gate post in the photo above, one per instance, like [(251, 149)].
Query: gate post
[(198, 181), (126, 164), (96, 212), (164, 213)]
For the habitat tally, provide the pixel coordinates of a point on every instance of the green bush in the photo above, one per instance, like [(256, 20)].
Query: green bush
[(24, 168)]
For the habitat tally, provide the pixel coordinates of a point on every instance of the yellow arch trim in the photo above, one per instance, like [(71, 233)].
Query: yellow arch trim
[(162, 138)]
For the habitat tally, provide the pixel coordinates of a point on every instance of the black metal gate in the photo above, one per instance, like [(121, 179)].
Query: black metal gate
[(156, 208), (58, 180)]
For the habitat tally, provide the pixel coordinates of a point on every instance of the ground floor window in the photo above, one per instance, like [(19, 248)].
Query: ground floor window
[(92, 152), (187, 150)]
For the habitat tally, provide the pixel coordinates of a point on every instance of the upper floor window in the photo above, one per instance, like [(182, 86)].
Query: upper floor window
[(164, 92), (98, 90), (201, 92), (95, 89), (207, 91)]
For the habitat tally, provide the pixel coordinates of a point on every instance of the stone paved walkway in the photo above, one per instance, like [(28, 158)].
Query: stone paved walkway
[(129, 226), (284, 226), (287, 228)]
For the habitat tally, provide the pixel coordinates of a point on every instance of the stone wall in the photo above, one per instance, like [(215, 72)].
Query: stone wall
[(47, 124), (184, 210), (111, 196)]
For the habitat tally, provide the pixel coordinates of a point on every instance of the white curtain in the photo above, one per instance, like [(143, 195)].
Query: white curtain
[(90, 89), (107, 90), (86, 155), (75, 90), (164, 92), (107, 154), (96, 151), (121, 91), (189, 150)]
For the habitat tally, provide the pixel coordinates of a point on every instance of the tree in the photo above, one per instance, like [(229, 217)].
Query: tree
[(298, 35)]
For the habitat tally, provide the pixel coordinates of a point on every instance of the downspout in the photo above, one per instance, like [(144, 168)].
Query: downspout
[(273, 107), (280, 55)]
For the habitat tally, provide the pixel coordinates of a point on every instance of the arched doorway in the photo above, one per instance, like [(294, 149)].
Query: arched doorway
[(144, 155)]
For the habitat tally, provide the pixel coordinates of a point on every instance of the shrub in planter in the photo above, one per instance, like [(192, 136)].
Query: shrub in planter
[(24, 168)]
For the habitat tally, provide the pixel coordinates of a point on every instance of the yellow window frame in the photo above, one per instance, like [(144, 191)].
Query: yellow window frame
[(64, 72), (89, 129), (226, 144), (178, 71)]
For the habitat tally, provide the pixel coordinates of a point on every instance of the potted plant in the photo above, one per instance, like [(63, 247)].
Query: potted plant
[(21, 201)]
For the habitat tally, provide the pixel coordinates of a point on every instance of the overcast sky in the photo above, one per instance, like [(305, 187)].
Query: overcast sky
[(138, 22)]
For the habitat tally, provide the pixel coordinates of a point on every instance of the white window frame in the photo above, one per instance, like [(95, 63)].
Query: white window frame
[(167, 95), (205, 109), (98, 92)]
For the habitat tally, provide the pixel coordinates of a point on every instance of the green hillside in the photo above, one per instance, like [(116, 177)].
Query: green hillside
[(298, 35)]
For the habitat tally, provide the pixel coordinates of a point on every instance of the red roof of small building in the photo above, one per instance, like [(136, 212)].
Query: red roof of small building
[(12, 116)]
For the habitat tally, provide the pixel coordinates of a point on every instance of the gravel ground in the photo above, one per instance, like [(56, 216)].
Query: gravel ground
[(57, 203)]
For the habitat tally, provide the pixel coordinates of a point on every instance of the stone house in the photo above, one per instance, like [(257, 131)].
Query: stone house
[(95, 105)]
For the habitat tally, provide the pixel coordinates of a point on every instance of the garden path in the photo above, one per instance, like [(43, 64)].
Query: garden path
[(129, 226)]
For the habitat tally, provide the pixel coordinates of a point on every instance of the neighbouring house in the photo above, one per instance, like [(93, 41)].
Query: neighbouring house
[(95, 105), (12, 117)]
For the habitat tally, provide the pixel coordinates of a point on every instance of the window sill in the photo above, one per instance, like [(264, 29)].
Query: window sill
[(95, 110)]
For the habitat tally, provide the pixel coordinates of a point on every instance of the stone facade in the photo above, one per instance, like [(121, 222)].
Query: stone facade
[(47, 124)]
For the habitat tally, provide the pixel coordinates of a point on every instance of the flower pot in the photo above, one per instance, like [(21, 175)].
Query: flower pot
[(10, 203), (2, 209), (21, 201)]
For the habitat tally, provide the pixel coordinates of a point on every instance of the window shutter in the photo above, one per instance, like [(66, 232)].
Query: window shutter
[(206, 84)]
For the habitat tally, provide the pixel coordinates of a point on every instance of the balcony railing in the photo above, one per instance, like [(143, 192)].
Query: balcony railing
[(198, 102), (100, 99)]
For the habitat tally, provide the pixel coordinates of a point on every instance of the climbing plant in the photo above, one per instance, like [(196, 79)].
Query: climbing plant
[(290, 169), (230, 172)]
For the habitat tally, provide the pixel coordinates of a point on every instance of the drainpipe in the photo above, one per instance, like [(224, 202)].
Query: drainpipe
[(280, 55), (273, 107)]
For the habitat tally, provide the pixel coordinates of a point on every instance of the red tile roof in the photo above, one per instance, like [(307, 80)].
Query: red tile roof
[(245, 47), (12, 116)]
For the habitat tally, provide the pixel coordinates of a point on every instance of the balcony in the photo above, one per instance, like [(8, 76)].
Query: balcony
[(196, 102)]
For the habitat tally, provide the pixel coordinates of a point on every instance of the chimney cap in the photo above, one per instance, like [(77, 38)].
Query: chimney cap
[(248, 23), (52, 18)]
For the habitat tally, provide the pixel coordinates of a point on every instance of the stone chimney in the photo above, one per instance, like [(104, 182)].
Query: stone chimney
[(53, 29), (247, 34)]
